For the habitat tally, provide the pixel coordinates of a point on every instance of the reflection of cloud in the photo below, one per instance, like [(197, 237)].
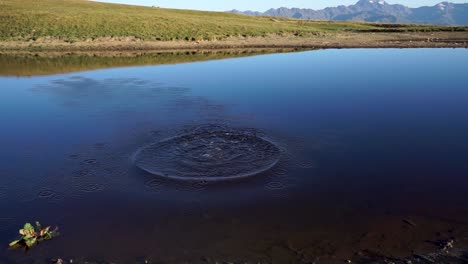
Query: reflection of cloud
[(111, 94), (86, 90), (129, 96)]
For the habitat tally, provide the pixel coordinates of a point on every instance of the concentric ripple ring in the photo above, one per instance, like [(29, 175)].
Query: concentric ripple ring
[(209, 154)]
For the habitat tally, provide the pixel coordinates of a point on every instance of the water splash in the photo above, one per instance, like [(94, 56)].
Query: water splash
[(209, 153)]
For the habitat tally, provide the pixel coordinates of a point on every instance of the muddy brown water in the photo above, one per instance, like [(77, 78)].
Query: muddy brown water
[(370, 159)]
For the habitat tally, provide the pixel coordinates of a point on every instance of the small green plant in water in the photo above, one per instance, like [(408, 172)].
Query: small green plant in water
[(31, 236)]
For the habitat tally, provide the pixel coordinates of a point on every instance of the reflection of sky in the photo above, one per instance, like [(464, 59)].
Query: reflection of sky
[(294, 87), (54, 112), (300, 92), (344, 84)]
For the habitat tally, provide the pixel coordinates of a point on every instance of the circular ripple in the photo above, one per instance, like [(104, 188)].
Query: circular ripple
[(154, 184), (90, 161), (306, 164), (45, 194), (50, 195), (209, 153), (81, 173), (275, 185), (280, 172), (91, 187)]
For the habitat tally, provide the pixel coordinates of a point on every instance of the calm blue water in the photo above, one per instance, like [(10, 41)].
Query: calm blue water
[(370, 138)]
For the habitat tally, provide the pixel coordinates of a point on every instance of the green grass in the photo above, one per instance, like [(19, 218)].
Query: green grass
[(72, 20)]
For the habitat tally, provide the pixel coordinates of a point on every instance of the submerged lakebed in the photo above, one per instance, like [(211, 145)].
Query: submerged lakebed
[(322, 156)]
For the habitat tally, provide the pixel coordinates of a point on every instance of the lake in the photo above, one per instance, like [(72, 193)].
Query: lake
[(323, 155)]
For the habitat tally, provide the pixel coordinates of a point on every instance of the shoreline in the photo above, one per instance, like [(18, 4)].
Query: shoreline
[(325, 41)]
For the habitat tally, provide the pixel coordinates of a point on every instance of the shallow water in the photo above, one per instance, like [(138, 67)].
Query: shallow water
[(372, 158)]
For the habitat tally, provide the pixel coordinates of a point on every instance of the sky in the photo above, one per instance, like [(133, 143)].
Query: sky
[(263, 5)]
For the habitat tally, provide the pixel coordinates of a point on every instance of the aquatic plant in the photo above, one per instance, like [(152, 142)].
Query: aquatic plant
[(31, 236)]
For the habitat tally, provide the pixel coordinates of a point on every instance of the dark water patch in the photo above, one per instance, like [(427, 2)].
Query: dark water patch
[(295, 157), (210, 110), (25, 197), (280, 171), (42, 186), (304, 153), (328, 141), (279, 187), (73, 156), (114, 172), (182, 187), (88, 180), (286, 155), (158, 184), (243, 117), (100, 167), (295, 144), (291, 147), (100, 146), (90, 161), (192, 208), (279, 195), (305, 164), (90, 187), (52, 185), (46, 194), (154, 185), (209, 153), (6, 223), (82, 173), (275, 185), (111, 167), (3, 193)]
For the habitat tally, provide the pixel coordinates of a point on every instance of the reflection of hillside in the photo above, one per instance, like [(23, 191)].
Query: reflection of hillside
[(28, 64)]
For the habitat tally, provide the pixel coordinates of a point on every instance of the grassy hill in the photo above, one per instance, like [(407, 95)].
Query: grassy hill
[(72, 20)]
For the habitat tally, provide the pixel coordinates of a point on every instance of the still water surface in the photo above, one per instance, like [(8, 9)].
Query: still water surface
[(373, 158)]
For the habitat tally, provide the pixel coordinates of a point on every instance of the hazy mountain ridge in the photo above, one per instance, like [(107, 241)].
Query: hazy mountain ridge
[(444, 13)]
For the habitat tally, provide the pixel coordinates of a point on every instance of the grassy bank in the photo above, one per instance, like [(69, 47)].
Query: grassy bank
[(78, 20)]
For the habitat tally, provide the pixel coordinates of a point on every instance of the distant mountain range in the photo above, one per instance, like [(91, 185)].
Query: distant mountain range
[(444, 13)]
